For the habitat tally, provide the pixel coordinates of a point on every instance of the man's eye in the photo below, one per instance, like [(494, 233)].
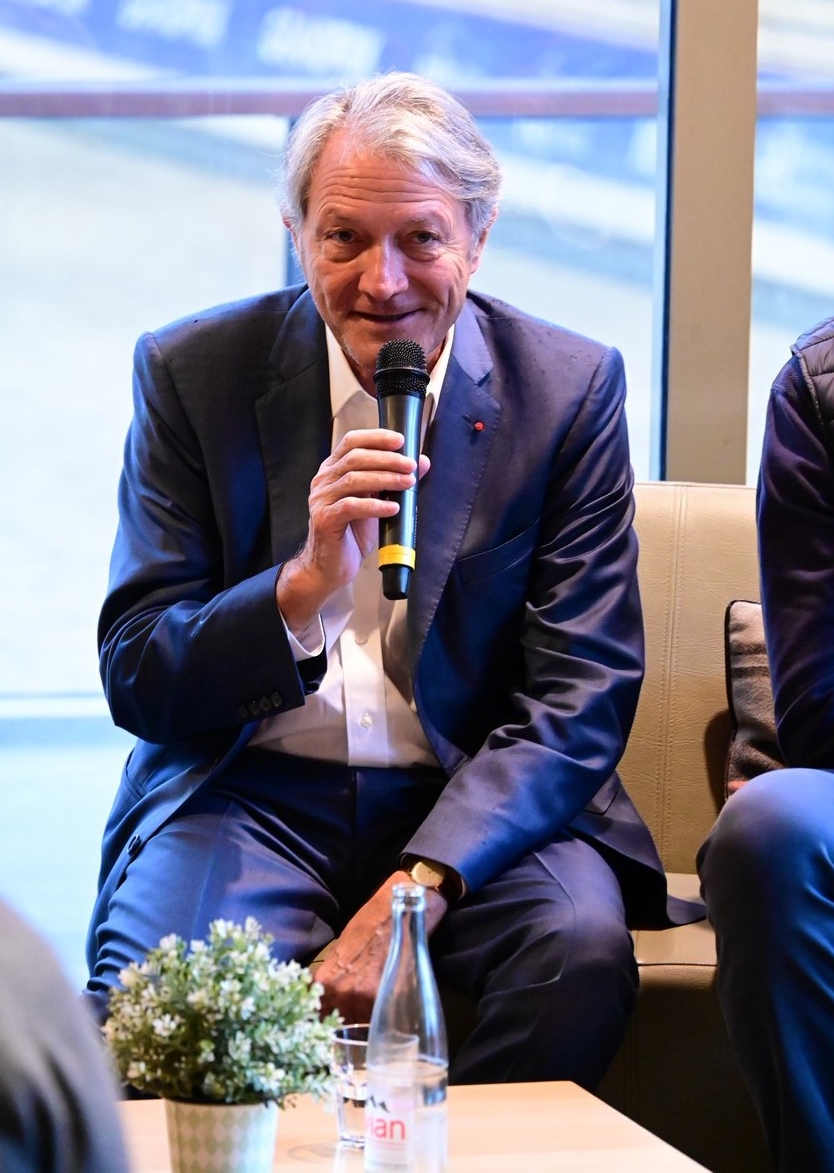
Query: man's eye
[(341, 236)]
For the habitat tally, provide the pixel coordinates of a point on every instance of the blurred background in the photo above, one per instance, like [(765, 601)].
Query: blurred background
[(114, 220)]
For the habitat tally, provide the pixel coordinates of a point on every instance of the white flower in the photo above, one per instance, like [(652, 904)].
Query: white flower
[(165, 1025)]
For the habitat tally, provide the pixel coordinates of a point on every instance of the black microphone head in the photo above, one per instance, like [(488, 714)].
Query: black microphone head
[(401, 368)]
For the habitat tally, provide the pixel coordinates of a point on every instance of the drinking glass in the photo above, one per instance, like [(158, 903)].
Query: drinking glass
[(350, 1071)]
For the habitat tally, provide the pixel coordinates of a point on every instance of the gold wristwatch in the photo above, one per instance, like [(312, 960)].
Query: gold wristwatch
[(434, 875)]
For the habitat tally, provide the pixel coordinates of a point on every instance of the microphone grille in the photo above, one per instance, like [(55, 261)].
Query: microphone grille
[(401, 353)]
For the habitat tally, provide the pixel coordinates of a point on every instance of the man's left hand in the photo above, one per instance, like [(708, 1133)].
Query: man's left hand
[(352, 969)]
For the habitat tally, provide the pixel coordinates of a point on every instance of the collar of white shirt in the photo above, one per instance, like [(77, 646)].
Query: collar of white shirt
[(344, 386)]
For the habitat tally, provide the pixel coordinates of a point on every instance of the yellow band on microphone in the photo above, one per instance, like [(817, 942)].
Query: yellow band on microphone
[(396, 556)]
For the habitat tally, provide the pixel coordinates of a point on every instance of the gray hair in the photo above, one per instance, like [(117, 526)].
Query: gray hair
[(412, 121)]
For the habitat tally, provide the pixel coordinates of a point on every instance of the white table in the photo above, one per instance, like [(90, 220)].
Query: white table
[(499, 1128)]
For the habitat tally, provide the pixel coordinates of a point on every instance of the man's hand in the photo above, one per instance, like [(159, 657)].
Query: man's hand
[(345, 508), (352, 969)]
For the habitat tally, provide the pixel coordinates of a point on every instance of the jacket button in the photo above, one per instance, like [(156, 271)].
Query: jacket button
[(243, 710), (134, 843), (254, 708), (265, 704), (277, 700)]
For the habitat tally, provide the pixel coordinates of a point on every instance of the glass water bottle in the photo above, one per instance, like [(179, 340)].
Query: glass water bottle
[(408, 1059)]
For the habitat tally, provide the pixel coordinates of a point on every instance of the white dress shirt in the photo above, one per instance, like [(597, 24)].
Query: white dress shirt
[(363, 713)]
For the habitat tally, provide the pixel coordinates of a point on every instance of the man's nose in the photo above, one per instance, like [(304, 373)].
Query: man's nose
[(383, 272)]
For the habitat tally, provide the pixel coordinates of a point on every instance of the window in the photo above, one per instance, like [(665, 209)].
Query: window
[(793, 229)]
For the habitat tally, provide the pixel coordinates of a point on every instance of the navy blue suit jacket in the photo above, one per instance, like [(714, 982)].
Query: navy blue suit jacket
[(796, 548), (524, 624)]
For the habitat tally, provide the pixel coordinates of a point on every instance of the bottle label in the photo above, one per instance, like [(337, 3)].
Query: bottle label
[(405, 1118), (389, 1125)]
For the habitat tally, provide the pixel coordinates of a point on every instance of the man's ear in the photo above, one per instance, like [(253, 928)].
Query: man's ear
[(478, 247), (291, 230), (294, 239)]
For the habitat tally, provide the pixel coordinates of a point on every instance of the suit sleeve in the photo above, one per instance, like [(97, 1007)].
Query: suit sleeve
[(796, 540), (187, 645), (569, 712)]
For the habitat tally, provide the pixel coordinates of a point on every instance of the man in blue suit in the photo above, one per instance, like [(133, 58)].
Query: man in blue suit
[(305, 743)]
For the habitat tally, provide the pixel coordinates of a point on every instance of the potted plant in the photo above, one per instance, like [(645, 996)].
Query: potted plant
[(220, 1023)]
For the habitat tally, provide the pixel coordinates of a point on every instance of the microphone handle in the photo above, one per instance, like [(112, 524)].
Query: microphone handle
[(401, 412)]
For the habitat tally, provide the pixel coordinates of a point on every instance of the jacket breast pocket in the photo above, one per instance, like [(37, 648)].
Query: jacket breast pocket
[(499, 558)]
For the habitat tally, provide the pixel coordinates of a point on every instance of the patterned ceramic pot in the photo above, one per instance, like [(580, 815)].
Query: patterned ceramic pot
[(221, 1138)]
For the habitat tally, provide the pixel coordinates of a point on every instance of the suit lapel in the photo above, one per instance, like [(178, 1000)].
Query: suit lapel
[(294, 424), (458, 445)]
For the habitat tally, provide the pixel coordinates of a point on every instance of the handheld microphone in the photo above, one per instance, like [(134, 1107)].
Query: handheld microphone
[(401, 378)]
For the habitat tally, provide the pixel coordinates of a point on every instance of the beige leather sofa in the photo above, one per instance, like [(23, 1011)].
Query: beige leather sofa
[(676, 1074)]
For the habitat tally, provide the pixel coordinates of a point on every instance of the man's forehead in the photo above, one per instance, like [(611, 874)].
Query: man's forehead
[(409, 197), (353, 159), (417, 212)]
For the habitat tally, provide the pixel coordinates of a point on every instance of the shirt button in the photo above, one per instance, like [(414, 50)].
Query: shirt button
[(361, 638), (366, 720)]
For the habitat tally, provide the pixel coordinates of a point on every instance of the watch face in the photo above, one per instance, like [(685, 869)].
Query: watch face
[(423, 873)]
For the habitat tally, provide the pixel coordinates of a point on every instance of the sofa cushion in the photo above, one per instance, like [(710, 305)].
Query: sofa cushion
[(753, 749)]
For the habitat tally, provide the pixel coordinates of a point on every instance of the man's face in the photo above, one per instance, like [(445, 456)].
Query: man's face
[(386, 252)]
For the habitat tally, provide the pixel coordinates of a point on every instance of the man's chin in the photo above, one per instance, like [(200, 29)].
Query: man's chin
[(362, 347), (383, 328), (365, 353)]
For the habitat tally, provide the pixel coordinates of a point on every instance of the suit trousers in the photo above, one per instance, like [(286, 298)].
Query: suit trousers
[(767, 872), (543, 949)]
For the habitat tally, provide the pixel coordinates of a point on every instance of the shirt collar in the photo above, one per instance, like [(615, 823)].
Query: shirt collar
[(344, 384)]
